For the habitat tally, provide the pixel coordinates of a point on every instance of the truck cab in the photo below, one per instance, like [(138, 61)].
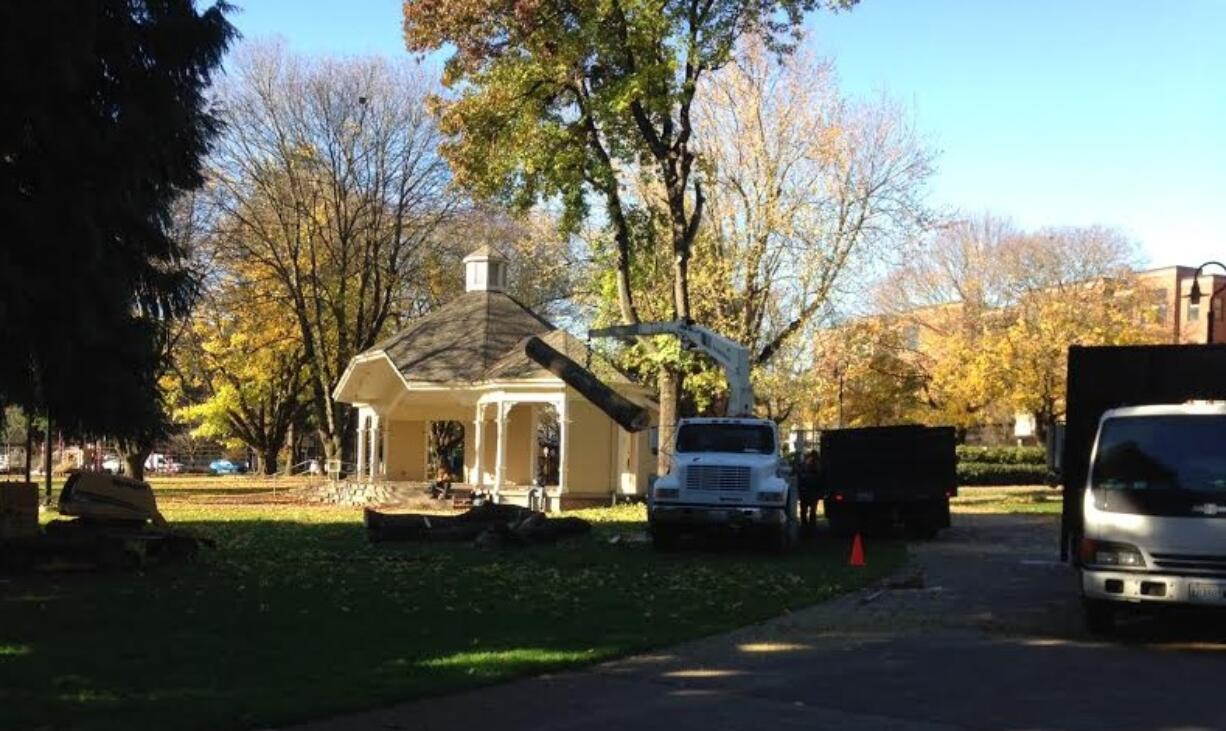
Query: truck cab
[(1154, 508), (726, 475)]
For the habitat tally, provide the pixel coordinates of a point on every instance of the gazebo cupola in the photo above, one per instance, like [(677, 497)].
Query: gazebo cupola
[(485, 270)]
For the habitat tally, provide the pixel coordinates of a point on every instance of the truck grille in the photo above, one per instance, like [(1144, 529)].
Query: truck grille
[(716, 477), (1199, 563)]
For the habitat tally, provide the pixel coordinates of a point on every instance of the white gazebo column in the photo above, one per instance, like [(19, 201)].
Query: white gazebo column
[(385, 442), (504, 409), (373, 459), (428, 426), (534, 447), (563, 443), (360, 448), (478, 444), (500, 447)]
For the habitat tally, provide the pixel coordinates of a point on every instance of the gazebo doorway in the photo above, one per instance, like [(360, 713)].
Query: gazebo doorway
[(445, 451), (548, 443)]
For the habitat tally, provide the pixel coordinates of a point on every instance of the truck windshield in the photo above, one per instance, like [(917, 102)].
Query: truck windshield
[(741, 438), (1162, 454)]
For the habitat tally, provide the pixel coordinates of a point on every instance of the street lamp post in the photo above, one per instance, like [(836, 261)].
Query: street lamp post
[(1194, 294)]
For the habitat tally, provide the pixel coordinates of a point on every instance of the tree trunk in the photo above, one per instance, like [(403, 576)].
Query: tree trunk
[(1044, 424), (681, 285), (670, 391), (670, 376), (335, 448), (47, 459), (134, 462), (290, 452), (320, 400), (334, 445), (268, 460), (29, 445)]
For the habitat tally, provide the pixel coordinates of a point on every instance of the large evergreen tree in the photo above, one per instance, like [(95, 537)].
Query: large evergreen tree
[(104, 123)]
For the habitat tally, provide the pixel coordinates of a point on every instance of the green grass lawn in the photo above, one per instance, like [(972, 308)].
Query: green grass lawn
[(1032, 499), (294, 616)]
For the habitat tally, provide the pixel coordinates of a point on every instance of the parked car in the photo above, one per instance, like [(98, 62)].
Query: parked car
[(112, 465), (224, 467)]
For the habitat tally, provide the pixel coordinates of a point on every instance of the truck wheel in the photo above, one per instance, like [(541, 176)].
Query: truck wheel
[(791, 526), (16, 558), (1099, 616), (842, 525), (923, 522), (783, 538), (920, 527), (664, 539)]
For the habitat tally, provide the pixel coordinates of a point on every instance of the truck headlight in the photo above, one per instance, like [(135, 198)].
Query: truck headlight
[(771, 497), (1106, 553), (667, 493)]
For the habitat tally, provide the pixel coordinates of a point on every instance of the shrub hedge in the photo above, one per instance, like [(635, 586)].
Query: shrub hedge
[(982, 474), (1003, 466), (1002, 455)]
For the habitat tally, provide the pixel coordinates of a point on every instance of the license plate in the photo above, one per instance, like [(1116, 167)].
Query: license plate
[(1199, 590)]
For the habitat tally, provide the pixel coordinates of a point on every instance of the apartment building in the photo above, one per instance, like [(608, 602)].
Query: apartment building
[(1179, 320), (1184, 320)]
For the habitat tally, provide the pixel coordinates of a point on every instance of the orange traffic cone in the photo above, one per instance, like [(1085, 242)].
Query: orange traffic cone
[(857, 551)]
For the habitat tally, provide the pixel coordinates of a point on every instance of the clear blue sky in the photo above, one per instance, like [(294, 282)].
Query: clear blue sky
[(1047, 111)]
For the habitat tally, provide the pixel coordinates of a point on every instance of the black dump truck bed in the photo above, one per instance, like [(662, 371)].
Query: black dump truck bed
[(899, 462), (1108, 377), (881, 475)]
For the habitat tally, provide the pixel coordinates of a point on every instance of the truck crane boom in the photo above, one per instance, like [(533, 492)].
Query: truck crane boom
[(731, 355)]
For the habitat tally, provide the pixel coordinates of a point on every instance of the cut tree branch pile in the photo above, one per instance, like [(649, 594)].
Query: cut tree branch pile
[(487, 526)]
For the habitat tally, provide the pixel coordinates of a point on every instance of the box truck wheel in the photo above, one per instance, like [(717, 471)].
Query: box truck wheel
[(925, 520), (1100, 616), (843, 522)]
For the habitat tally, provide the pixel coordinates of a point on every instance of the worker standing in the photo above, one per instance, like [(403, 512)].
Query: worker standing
[(808, 483)]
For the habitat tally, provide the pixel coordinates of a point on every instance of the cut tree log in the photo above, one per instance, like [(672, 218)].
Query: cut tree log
[(625, 412), (488, 524)]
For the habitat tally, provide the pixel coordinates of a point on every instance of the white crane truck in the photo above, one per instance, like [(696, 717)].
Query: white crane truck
[(726, 473)]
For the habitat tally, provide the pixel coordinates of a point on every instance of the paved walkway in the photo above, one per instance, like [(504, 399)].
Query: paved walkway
[(982, 633)]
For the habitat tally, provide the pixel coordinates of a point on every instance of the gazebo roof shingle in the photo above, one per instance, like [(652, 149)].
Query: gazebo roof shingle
[(517, 363), (461, 340), (480, 336), (487, 335)]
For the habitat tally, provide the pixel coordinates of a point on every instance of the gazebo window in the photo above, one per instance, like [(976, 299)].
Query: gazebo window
[(485, 271)]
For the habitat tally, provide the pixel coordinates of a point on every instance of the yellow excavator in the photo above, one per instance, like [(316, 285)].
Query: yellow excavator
[(115, 524)]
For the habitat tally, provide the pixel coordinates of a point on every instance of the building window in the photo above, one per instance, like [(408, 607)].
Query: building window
[(1193, 312), (1160, 299), (911, 336)]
